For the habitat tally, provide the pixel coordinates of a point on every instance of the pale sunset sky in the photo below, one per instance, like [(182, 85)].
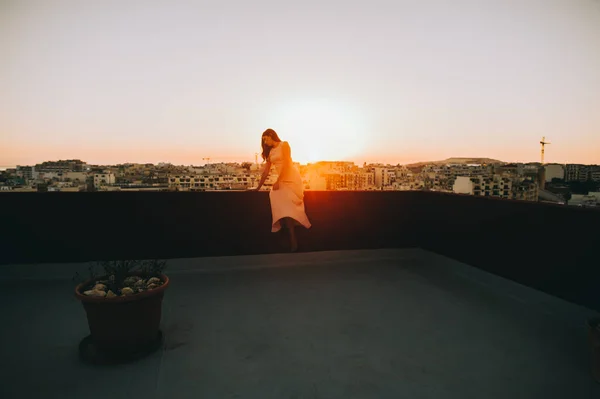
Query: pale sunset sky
[(393, 81)]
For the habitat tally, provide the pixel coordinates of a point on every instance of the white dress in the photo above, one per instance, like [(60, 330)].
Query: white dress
[(288, 201)]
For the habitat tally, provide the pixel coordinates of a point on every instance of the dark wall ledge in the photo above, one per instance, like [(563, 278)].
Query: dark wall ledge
[(552, 248)]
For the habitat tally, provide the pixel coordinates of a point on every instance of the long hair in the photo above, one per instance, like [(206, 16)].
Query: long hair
[(266, 150)]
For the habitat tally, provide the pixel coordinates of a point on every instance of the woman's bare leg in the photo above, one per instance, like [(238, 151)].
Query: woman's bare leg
[(291, 226)]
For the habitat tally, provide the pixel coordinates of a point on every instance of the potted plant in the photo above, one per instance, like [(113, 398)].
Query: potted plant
[(123, 307), (594, 334)]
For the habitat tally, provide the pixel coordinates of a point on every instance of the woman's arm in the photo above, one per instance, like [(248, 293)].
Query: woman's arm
[(265, 174)]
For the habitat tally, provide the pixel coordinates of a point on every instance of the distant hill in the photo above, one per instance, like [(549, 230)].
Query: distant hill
[(456, 161)]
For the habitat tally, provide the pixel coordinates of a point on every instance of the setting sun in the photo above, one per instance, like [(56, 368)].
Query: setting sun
[(320, 130)]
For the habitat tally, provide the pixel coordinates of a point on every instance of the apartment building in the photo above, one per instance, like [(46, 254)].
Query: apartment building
[(349, 181), (494, 186), (443, 177), (384, 177), (213, 182), (497, 186), (75, 176), (509, 169), (455, 170), (74, 165), (402, 172), (332, 167), (335, 180), (26, 172), (366, 180), (408, 185), (594, 173), (102, 180), (526, 190), (576, 172)]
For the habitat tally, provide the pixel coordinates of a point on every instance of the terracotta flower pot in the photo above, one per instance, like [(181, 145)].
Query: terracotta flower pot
[(123, 324), (594, 334)]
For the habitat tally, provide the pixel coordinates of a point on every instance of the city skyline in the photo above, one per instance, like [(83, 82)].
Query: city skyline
[(397, 83), (554, 183)]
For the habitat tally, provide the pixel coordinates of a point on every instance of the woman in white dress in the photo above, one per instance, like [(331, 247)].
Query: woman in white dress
[(287, 195)]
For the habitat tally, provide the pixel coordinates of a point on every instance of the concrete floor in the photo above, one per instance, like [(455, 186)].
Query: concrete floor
[(356, 324)]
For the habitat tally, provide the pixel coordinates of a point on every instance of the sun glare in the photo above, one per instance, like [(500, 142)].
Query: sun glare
[(320, 130)]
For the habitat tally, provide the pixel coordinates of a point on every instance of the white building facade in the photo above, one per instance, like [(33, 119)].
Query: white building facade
[(212, 182), (104, 179)]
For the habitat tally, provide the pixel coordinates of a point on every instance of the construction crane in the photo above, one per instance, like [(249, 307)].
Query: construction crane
[(543, 143), (207, 160)]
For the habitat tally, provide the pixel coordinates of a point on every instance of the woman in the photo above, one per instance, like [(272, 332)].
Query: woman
[(287, 195)]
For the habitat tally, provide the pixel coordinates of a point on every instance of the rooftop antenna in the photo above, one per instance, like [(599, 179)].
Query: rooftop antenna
[(543, 143)]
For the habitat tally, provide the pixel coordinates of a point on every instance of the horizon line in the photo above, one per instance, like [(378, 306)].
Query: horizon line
[(301, 163)]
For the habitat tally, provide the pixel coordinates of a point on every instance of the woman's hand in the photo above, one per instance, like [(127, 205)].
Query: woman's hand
[(276, 186)]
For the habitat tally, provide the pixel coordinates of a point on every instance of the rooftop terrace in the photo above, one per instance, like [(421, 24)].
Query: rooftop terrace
[(395, 295), (349, 324)]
